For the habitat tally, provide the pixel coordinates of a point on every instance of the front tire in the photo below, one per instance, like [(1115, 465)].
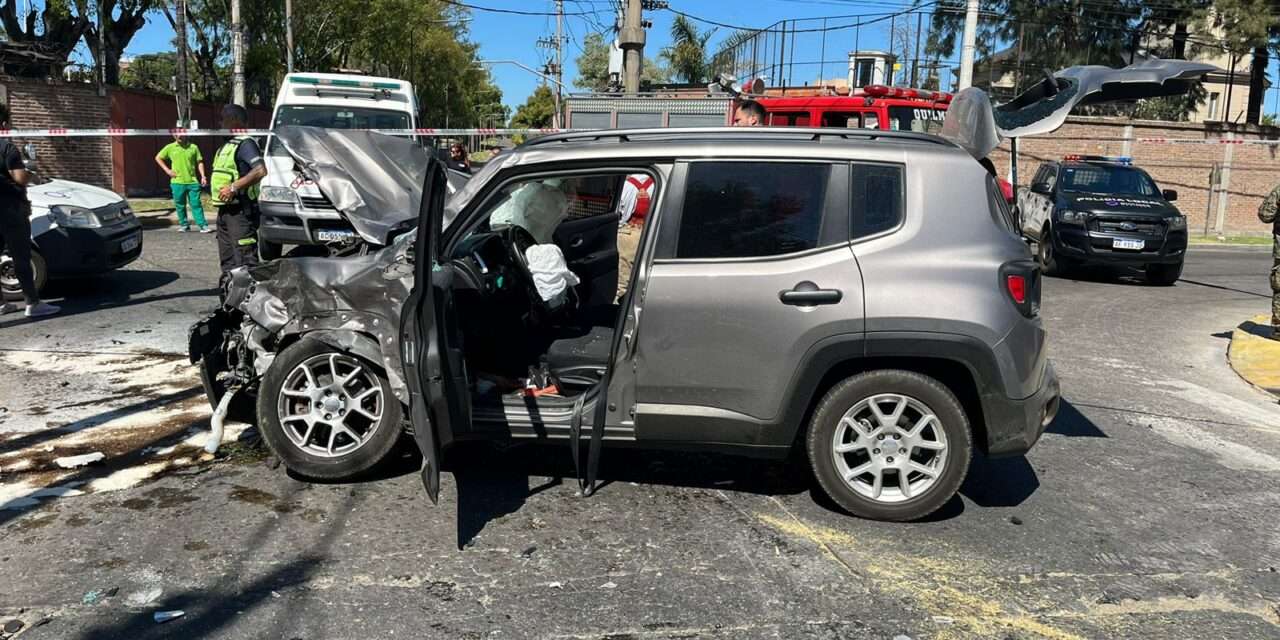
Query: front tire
[(1050, 262), (890, 445), (1164, 275), (327, 414), (9, 287)]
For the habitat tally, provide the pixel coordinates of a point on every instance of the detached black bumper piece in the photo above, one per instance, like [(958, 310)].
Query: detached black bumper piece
[(74, 252), (1099, 247)]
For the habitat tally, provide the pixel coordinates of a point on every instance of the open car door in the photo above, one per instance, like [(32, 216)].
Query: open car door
[(440, 404)]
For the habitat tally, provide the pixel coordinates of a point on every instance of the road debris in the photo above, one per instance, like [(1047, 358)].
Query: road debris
[(144, 597), (165, 616), (13, 626), (71, 462), (91, 597)]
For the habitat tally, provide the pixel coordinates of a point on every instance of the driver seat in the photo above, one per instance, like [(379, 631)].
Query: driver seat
[(579, 357)]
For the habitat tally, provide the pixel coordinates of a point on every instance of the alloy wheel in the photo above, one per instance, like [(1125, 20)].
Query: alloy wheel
[(890, 448), (329, 405)]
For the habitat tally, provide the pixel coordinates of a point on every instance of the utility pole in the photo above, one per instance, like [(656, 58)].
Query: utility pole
[(915, 57), (631, 41), (288, 34), (970, 44), (183, 90), (555, 118), (237, 55)]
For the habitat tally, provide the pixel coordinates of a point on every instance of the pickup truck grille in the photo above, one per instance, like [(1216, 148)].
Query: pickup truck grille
[(316, 202), (1144, 227)]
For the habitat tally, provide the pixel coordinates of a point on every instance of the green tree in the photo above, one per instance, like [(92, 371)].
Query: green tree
[(151, 71), (1249, 27), (51, 33), (687, 55), (593, 67), (537, 111), (115, 22), (208, 44)]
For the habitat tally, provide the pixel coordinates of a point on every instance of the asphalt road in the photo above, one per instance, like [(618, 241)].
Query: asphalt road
[(1149, 509)]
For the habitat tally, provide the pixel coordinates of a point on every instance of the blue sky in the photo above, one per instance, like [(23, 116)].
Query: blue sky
[(506, 36)]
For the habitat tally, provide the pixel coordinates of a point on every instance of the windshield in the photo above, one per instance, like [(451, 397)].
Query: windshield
[(341, 117), (918, 119), (1121, 181)]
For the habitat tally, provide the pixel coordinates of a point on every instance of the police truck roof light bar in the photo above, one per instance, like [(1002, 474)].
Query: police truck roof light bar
[(1075, 157)]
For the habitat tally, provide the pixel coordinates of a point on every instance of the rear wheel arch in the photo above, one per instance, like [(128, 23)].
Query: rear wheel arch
[(938, 358)]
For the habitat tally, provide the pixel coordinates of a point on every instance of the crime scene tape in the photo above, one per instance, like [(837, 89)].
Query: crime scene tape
[(114, 132)]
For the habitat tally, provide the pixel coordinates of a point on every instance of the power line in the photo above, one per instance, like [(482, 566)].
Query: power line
[(878, 17), (517, 12)]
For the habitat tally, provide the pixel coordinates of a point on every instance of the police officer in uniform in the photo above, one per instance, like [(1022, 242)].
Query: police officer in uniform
[(238, 167), (1268, 213)]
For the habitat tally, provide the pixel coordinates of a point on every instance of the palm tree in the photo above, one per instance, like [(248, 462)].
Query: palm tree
[(687, 56)]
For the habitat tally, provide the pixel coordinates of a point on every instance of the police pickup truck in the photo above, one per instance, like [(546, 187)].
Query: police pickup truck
[(1102, 210)]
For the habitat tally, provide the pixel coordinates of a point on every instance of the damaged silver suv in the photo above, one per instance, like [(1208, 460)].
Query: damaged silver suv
[(788, 288)]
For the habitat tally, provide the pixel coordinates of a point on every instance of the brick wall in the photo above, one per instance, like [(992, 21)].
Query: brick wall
[(39, 104), (1186, 168)]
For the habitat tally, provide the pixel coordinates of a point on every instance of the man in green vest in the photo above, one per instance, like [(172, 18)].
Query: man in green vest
[(1269, 213), (238, 167), (185, 162)]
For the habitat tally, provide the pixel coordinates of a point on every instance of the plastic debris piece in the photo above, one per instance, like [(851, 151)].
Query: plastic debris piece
[(145, 597), (944, 620), (110, 593), (71, 462), (609, 585), (556, 585), (91, 597), (1015, 520), (13, 626), (165, 616)]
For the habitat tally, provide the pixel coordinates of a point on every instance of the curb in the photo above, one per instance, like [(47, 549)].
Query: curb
[(1200, 246), (1255, 356)]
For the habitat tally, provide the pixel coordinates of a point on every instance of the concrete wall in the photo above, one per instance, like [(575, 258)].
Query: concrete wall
[(1230, 209)]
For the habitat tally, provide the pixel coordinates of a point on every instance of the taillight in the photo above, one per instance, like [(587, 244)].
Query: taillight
[(1017, 286), (1021, 282)]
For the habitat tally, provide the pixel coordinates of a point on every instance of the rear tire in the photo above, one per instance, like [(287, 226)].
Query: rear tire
[(9, 287), (863, 429), (331, 429), (1050, 262), (1164, 275)]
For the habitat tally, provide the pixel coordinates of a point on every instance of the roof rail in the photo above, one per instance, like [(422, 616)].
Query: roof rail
[(813, 133)]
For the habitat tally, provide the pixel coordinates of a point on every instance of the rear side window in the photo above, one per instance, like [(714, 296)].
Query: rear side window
[(752, 209), (876, 194), (789, 119)]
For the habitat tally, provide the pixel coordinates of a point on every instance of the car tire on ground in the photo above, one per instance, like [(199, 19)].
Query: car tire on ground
[(1050, 262), (327, 414), (884, 424), (1164, 275), (9, 279)]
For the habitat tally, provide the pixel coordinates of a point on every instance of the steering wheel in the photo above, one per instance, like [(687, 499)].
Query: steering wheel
[(518, 241)]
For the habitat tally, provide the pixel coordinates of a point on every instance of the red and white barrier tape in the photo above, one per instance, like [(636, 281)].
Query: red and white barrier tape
[(116, 132)]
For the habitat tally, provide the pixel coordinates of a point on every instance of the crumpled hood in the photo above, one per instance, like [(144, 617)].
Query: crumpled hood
[(1128, 205), (373, 180), (977, 126)]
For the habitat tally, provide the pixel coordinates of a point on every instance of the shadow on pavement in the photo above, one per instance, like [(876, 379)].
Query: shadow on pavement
[(211, 610), (116, 290), (1231, 289), (1252, 328), (1073, 424)]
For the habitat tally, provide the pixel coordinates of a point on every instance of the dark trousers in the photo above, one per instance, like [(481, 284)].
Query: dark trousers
[(15, 239), (237, 236)]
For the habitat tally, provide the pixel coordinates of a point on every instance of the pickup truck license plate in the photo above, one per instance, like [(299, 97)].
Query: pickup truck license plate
[(330, 236), (130, 243), (1126, 243)]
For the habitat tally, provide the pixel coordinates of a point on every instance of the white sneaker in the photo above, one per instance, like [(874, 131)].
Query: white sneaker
[(7, 308), (40, 309), (206, 230)]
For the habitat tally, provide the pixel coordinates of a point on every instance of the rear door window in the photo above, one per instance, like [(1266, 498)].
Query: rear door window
[(752, 209), (876, 195), (789, 119), (842, 119)]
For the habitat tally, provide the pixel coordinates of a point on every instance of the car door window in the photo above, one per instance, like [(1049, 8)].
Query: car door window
[(752, 209), (876, 199), (1050, 177)]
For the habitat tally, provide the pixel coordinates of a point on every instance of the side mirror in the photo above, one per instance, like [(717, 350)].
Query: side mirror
[(1041, 188), (1170, 195)]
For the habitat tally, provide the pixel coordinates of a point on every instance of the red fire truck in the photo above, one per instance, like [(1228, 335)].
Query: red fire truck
[(871, 107)]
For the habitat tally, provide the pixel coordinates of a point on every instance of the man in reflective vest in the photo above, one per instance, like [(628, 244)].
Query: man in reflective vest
[(238, 167)]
